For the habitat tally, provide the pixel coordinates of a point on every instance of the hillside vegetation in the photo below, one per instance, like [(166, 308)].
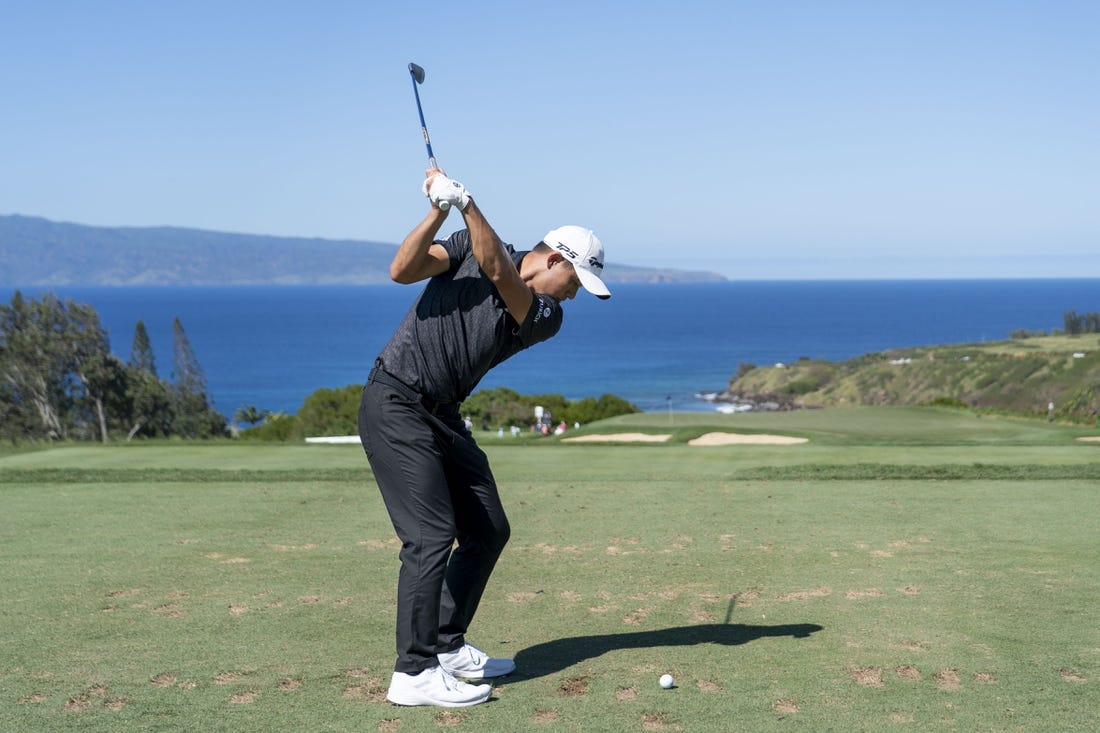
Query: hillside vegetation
[(1021, 375)]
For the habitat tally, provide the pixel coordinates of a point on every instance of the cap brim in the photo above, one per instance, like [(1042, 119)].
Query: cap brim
[(593, 283)]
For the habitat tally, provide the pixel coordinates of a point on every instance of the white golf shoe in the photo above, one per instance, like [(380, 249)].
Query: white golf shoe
[(435, 686), (470, 662)]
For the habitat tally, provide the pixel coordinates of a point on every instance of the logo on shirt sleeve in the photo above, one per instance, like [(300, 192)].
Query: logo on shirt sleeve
[(542, 308)]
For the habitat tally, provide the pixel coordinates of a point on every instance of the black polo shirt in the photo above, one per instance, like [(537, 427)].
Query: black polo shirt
[(459, 328)]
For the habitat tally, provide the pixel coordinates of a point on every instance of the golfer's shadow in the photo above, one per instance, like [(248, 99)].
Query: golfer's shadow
[(554, 656)]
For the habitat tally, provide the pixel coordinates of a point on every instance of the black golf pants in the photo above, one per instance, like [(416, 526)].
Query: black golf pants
[(438, 488)]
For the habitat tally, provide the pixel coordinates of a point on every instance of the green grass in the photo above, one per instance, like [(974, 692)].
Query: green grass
[(904, 570)]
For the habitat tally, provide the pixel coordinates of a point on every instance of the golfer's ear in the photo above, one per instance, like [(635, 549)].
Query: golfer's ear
[(553, 259)]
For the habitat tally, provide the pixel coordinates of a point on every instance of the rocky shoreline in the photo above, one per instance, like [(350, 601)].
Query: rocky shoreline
[(732, 402)]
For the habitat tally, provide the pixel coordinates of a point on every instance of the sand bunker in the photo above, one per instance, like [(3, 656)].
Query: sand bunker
[(618, 438), (745, 439), (708, 439), (1091, 439)]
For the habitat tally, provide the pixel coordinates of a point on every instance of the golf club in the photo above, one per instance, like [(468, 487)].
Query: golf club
[(417, 74)]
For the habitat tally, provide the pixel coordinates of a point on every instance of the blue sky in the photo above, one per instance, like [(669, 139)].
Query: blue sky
[(756, 139)]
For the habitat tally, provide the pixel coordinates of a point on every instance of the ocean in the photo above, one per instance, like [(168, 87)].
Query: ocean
[(657, 346)]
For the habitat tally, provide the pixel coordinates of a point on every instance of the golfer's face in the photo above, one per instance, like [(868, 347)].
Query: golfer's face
[(565, 282)]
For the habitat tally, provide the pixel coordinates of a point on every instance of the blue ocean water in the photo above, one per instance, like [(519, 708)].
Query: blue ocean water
[(654, 345)]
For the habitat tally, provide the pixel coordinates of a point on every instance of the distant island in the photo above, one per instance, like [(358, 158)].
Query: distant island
[(40, 252)]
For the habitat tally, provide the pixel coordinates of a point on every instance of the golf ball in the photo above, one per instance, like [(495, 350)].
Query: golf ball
[(666, 681)]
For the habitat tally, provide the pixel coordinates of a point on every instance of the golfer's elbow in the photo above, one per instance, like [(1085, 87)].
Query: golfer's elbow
[(400, 274)]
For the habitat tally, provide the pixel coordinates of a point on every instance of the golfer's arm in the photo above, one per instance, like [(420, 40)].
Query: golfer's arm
[(496, 264), (418, 258)]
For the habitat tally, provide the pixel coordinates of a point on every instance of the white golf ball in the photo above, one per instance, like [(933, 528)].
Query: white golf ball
[(666, 681)]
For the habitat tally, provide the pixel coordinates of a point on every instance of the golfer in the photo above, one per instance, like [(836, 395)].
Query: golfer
[(483, 303)]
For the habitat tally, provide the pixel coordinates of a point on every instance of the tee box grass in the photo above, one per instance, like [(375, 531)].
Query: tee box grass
[(903, 570)]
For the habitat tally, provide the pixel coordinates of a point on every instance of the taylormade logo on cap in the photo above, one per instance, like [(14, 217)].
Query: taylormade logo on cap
[(581, 247)]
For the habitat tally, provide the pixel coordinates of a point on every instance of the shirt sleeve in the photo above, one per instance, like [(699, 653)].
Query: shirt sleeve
[(543, 320), (457, 246)]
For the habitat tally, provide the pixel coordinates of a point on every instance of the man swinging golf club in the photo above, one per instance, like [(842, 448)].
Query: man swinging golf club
[(483, 303)]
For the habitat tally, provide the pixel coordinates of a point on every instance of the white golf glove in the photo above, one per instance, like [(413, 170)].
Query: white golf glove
[(445, 192)]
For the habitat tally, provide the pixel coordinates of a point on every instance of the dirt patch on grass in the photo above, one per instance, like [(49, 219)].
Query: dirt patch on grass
[(868, 593), (370, 690), (659, 721), (244, 698), (574, 686), (867, 676), (708, 686), (546, 716), (1090, 439), (907, 672), (1071, 675), (948, 679), (710, 439), (289, 684), (626, 694), (164, 679), (449, 718), (618, 438)]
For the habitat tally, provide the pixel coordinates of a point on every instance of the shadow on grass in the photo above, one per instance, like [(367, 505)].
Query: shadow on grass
[(559, 654)]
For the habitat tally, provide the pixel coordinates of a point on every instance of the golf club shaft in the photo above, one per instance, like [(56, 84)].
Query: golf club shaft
[(417, 75)]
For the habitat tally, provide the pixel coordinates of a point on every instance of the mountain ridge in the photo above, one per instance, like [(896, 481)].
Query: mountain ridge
[(35, 251)]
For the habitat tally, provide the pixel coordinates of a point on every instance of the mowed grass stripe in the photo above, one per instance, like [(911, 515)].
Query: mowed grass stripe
[(803, 472)]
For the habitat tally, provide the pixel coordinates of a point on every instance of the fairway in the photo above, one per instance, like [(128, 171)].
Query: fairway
[(905, 569)]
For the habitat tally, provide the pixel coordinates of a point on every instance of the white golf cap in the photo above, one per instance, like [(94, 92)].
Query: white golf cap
[(581, 247)]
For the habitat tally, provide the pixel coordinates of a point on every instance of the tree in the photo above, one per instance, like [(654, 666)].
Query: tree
[(141, 352), (331, 411), (589, 410), (502, 406), (105, 380), (1083, 323), (193, 416), (149, 405), (52, 354), (32, 365), (250, 414)]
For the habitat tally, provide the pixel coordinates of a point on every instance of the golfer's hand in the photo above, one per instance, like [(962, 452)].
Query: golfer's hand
[(444, 192), (428, 176)]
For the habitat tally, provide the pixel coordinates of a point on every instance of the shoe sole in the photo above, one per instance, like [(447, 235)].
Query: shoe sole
[(438, 703)]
